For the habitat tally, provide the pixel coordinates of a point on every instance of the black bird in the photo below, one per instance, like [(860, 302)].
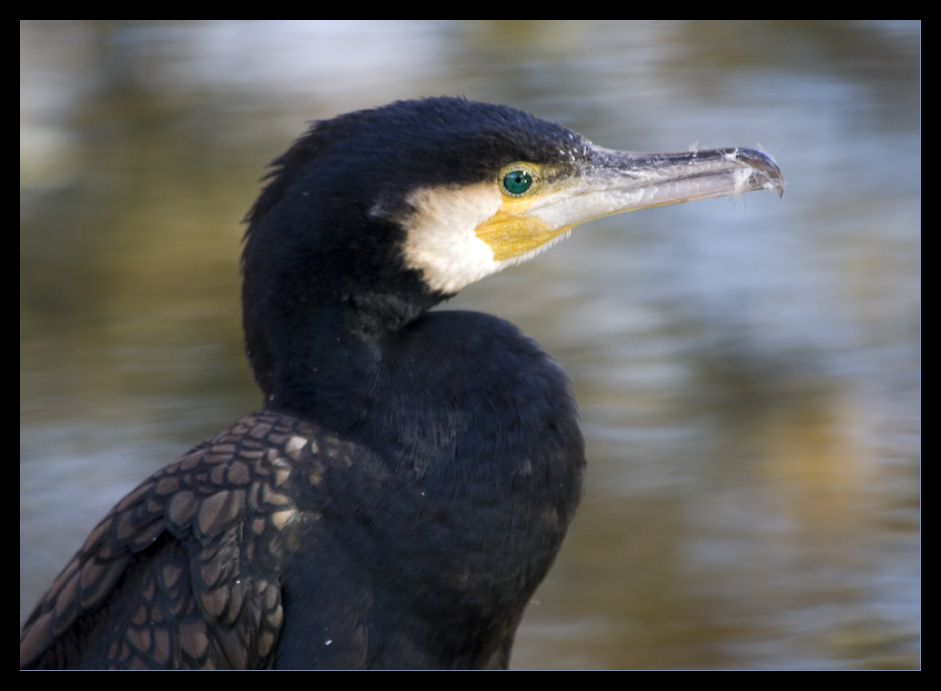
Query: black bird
[(412, 474)]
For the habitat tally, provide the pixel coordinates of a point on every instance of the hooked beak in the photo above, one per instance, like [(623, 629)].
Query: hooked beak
[(611, 182), (620, 181)]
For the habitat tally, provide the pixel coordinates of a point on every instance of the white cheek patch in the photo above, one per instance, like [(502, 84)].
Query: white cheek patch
[(440, 240)]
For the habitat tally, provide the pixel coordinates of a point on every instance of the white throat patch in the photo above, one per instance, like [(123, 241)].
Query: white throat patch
[(440, 239)]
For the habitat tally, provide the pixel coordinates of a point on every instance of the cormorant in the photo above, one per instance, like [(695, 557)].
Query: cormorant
[(412, 474)]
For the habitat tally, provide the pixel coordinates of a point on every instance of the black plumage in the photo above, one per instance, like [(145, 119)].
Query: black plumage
[(412, 474)]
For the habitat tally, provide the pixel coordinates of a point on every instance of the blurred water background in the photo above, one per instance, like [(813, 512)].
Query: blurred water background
[(748, 371)]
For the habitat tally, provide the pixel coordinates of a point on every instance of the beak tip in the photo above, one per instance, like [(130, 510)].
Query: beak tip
[(764, 165)]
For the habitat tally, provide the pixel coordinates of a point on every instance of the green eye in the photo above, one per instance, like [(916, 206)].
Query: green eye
[(517, 182)]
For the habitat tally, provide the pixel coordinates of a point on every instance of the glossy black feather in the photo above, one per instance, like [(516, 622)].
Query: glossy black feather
[(411, 477)]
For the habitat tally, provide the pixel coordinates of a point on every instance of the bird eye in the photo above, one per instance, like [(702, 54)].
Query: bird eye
[(516, 182)]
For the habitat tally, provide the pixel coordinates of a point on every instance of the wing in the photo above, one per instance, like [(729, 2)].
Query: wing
[(185, 571)]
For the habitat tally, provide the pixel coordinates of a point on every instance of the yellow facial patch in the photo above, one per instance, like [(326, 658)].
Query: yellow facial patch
[(514, 230), (456, 235), (510, 233)]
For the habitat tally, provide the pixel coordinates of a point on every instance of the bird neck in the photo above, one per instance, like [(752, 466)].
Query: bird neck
[(317, 316)]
